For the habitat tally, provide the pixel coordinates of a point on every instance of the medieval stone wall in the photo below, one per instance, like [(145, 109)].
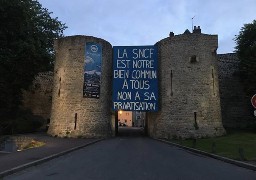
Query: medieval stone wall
[(236, 108), (190, 77), (38, 98), (72, 114), (188, 88)]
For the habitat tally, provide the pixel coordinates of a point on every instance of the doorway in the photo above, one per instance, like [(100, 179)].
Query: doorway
[(130, 123)]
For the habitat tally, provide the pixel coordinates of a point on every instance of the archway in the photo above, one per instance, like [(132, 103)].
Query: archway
[(130, 123)]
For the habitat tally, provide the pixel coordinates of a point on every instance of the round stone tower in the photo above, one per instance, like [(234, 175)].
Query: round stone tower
[(74, 114), (189, 99)]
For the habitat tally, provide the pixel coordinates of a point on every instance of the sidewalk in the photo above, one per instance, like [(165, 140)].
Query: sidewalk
[(54, 146)]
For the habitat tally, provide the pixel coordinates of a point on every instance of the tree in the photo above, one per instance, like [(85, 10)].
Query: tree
[(27, 32), (246, 51)]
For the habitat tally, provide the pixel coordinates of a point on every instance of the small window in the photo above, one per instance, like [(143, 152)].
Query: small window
[(214, 52), (75, 121), (193, 59)]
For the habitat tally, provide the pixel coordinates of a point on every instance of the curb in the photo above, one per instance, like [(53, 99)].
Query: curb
[(5, 152), (231, 161), (48, 158)]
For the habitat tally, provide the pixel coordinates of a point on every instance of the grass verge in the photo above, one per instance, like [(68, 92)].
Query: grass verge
[(238, 145)]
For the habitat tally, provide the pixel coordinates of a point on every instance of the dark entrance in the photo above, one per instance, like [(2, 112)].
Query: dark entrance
[(130, 123)]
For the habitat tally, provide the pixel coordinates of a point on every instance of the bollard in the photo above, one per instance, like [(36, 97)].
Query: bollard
[(213, 147), (241, 154), (194, 143)]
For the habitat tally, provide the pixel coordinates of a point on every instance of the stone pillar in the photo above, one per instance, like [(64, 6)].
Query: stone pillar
[(73, 115)]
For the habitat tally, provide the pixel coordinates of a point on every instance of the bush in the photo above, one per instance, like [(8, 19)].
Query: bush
[(25, 122)]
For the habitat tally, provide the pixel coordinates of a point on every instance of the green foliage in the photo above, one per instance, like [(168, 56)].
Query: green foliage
[(233, 145), (246, 51), (27, 32), (24, 122)]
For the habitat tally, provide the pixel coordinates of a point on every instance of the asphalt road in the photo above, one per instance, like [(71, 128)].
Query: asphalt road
[(134, 158)]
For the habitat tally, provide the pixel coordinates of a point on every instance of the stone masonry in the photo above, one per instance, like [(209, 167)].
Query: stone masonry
[(188, 88), (72, 115), (236, 108), (39, 96), (189, 99)]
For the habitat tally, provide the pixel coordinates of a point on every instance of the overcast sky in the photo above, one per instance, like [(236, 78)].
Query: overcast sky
[(144, 22)]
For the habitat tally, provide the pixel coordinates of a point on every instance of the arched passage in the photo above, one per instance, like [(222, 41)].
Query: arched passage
[(130, 123)]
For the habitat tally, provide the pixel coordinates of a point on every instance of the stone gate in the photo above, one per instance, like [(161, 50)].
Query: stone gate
[(189, 100)]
